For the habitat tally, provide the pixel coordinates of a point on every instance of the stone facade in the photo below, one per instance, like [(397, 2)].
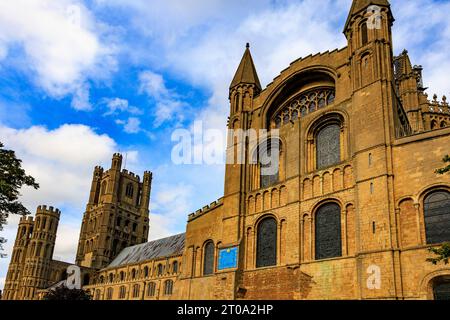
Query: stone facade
[(349, 213)]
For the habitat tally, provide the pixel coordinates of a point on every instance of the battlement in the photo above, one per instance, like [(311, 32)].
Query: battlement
[(206, 209), (43, 209), (26, 220), (131, 175)]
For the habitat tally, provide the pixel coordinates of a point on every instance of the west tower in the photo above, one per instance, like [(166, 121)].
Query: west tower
[(117, 214), (39, 254)]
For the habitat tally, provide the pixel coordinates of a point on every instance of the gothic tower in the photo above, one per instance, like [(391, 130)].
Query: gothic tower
[(17, 264), (117, 214), (40, 251), (378, 118), (244, 87)]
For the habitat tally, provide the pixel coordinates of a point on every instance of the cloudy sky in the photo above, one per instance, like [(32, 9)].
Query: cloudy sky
[(82, 79)]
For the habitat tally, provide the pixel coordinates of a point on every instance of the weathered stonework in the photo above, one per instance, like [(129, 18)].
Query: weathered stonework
[(391, 141)]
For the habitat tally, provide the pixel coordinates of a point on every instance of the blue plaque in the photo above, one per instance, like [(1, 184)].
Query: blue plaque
[(228, 258)]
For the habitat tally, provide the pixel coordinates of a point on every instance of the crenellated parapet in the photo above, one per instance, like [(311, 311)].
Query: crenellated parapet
[(206, 209)]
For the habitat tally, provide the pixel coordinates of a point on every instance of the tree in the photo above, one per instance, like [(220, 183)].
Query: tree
[(445, 169), (442, 254), (64, 293), (12, 179)]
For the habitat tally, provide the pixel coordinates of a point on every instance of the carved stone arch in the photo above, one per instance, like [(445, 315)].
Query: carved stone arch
[(428, 281), (292, 85)]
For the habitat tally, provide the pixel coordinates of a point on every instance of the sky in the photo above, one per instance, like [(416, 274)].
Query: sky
[(82, 79)]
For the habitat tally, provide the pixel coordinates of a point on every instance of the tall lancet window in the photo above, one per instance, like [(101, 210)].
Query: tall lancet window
[(364, 34)]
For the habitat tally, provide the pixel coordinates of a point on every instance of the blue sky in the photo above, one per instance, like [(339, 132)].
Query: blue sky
[(80, 80)]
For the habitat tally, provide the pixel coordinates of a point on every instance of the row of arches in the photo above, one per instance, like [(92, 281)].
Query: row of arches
[(146, 272), (44, 224), (436, 125), (150, 290), (326, 146)]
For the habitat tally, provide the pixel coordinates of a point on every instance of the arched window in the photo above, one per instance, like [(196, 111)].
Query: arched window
[(146, 272), (266, 254), (160, 270), (269, 155), (129, 190), (328, 231), (168, 287), (122, 292), (437, 217), (122, 276), (136, 291), (208, 258), (111, 277), (175, 267), (97, 294), (441, 291), (102, 279), (104, 185), (364, 34), (328, 146), (151, 289), (133, 274), (109, 293)]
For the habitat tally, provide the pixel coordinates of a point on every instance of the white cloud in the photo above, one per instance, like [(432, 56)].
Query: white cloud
[(117, 105), (132, 125), (62, 43), (168, 103), (153, 85), (169, 208)]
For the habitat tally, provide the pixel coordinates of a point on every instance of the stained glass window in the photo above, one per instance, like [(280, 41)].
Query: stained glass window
[(302, 105), (328, 232), (437, 217), (328, 146), (266, 254), (208, 259)]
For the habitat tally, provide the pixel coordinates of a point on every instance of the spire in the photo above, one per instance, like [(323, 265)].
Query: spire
[(360, 5), (246, 72)]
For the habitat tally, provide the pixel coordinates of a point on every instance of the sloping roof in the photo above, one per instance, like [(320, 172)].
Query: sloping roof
[(151, 250), (246, 72), (359, 5)]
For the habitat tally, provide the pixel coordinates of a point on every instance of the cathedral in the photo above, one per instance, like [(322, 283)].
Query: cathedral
[(350, 212)]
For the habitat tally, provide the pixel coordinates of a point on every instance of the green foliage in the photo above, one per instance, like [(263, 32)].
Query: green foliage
[(445, 169), (442, 254), (63, 293), (12, 179)]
